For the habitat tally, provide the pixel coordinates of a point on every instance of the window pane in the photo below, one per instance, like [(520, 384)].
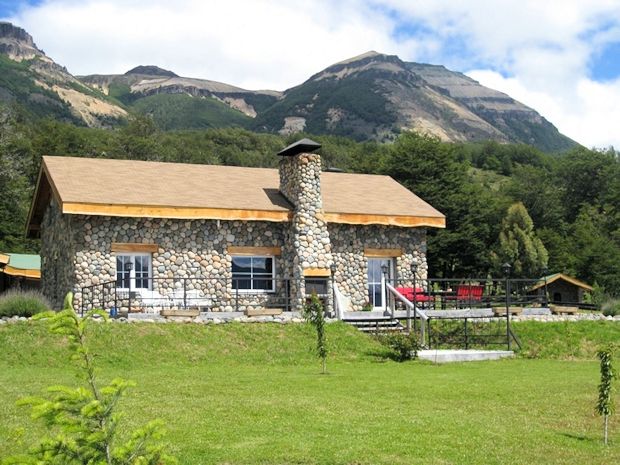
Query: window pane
[(241, 264), (141, 264), (262, 283), (260, 265), (242, 283)]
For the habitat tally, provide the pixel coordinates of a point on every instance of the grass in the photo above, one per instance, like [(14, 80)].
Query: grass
[(252, 394)]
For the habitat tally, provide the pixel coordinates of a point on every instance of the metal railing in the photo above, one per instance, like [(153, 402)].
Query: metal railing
[(156, 295), (462, 313)]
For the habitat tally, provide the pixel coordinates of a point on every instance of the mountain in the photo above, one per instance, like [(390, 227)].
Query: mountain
[(44, 88), (376, 96), (369, 97), (197, 103)]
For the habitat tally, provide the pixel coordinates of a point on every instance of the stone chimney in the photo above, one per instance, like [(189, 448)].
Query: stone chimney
[(300, 183)]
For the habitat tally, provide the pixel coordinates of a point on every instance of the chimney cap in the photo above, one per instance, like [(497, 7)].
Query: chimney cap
[(301, 146)]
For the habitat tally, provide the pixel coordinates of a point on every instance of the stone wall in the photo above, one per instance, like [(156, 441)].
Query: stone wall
[(349, 243), (58, 245), (190, 253)]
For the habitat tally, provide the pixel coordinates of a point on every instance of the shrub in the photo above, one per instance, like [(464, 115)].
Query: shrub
[(404, 346), (22, 303), (314, 313), (611, 307)]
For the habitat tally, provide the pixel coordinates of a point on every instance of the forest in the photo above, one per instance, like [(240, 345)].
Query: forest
[(543, 213)]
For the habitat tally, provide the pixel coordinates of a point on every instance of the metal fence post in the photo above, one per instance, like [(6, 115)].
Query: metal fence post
[(466, 336), (236, 296), (184, 293), (506, 267)]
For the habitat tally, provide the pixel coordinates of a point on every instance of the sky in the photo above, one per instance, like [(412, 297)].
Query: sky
[(560, 57)]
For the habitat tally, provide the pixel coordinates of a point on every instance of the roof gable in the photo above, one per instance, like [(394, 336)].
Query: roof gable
[(562, 277)]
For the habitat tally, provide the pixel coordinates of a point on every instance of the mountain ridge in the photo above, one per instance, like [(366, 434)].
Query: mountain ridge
[(372, 96)]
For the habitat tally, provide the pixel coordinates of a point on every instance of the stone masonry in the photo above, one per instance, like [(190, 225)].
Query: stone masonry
[(300, 183)]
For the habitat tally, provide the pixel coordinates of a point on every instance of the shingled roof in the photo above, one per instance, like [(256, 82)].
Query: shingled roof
[(132, 188)]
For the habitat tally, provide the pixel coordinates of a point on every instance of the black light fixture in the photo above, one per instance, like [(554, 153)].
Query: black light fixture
[(129, 266), (414, 266), (506, 267), (332, 268), (385, 268)]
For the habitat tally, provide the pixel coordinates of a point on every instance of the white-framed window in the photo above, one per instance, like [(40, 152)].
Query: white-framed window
[(253, 273), (133, 271)]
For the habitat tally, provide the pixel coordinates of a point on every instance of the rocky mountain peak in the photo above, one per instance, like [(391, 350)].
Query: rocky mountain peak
[(366, 61), (17, 43), (151, 70), (9, 31)]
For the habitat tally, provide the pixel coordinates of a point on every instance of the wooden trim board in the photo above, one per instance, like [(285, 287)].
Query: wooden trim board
[(254, 251), (181, 213), (388, 220), (317, 272), (32, 274), (382, 253), (131, 247)]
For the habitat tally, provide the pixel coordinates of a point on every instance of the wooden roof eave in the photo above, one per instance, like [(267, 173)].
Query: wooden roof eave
[(18, 272), (44, 188), (563, 277)]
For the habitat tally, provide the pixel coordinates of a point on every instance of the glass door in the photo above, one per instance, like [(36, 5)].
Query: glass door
[(376, 281)]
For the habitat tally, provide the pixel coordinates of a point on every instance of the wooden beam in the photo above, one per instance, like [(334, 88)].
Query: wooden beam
[(254, 251), (382, 253), (387, 220), (182, 213), (317, 272), (133, 247)]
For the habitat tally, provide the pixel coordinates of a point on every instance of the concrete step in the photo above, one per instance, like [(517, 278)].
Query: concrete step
[(448, 356), (376, 326)]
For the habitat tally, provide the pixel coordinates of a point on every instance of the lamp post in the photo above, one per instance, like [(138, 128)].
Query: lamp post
[(414, 274), (385, 270), (506, 267), (545, 271), (129, 267)]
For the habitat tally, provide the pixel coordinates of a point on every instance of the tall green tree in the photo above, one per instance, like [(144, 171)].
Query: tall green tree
[(435, 172), (519, 245)]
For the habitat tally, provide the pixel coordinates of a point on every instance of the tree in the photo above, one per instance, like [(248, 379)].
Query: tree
[(433, 170), (604, 405), (314, 313), (519, 245), (597, 255), (85, 419)]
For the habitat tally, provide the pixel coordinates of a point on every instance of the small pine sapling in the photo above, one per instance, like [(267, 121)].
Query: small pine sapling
[(604, 405), (83, 421), (314, 313)]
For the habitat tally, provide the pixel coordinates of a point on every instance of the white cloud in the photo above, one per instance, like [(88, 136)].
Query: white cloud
[(588, 115), (537, 51), (251, 43)]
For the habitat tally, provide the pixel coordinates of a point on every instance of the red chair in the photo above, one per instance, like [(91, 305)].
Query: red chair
[(469, 293), (414, 295)]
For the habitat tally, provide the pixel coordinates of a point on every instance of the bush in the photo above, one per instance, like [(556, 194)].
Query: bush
[(404, 346), (22, 303), (611, 307)]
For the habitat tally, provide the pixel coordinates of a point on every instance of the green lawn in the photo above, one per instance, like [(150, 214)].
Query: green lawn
[(252, 394)]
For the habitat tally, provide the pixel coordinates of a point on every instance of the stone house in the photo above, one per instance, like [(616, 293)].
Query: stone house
[(225, 233)]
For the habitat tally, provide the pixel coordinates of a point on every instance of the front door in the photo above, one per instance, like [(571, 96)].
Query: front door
[(376, 281)]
